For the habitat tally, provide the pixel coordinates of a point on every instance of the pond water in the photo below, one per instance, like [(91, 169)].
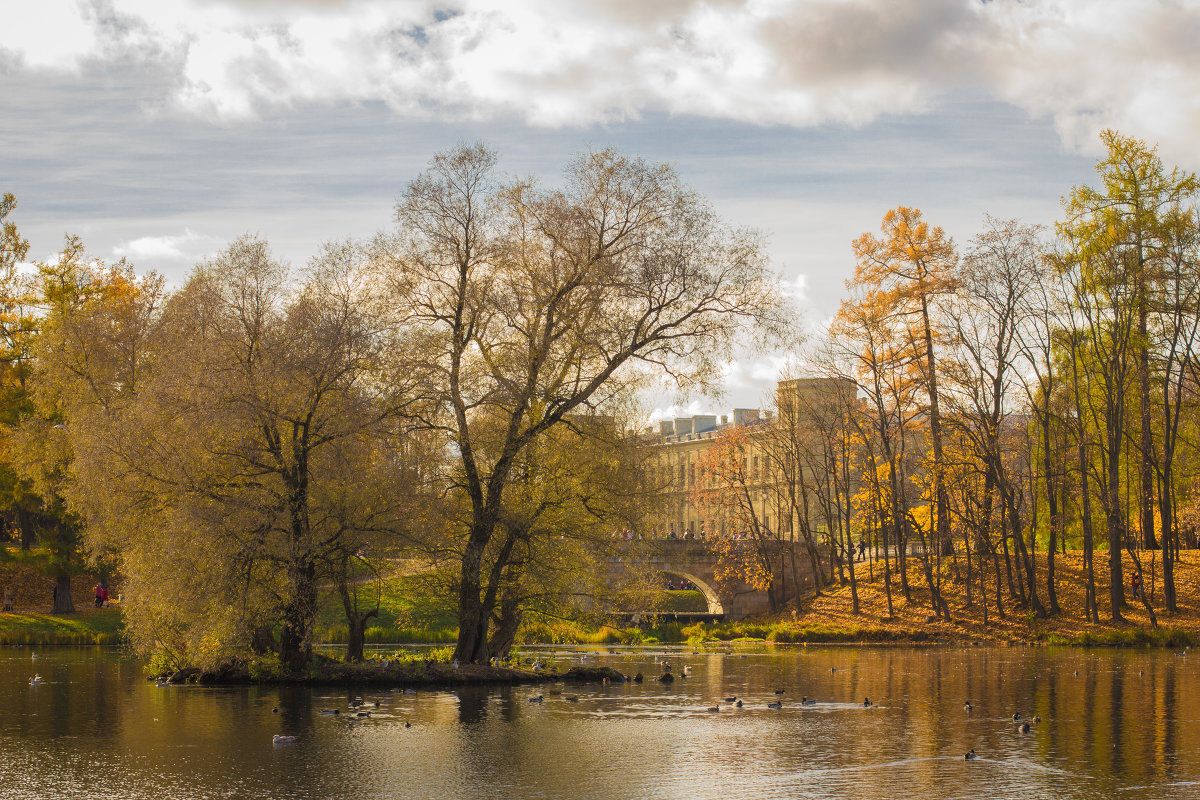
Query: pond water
[(1113, 724)]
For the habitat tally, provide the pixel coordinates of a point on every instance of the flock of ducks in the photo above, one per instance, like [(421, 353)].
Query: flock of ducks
[(357, 709), (1022, 725)]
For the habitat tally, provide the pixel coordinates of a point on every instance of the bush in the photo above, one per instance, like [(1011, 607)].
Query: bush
[(265, 668)]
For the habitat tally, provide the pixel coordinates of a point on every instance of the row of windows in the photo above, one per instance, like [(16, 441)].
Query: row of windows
[(686, 473)]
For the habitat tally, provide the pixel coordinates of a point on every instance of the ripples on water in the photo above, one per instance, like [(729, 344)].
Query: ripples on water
[(1115, 723)]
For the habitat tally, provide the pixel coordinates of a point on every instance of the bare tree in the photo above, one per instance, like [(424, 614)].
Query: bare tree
[(998, 273), (532, 304)]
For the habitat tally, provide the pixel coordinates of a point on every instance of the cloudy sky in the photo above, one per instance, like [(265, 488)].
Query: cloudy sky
[(161, 129)]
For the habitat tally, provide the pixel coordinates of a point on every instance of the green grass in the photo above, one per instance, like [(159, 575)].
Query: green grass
[(682, 600), (1129, 637), (90, 627), (411, 611)]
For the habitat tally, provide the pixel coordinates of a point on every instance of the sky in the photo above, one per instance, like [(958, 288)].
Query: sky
[(159, 130)]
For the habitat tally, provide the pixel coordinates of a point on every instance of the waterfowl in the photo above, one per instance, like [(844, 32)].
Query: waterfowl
[(277, 739), (275, 710), (1036, 719), (408, 724), (36, 680), (713, 708), (866, 702), (639, 678), (780, 691), (804, 701), (970, 756), (738, 704), (776, 705), (331, 712), (537, 699), (730, 699), (967, 706), (1016, 716), (363, 714), (377, 704), (1024, 727), (572, 698), (687, 671)]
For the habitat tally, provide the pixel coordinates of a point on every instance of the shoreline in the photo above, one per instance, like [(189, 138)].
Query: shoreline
[(395, 674)]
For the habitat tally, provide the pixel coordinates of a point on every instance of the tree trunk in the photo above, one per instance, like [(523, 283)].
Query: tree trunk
[(1167, 512), (943, 538), (982, 582), (1056, 520), (63, 603), (28, 531), (1089, 555), (1146, 473), (356, 622), (999, 585), (1116, 580), (1027, 558), (507, 625), (472, 623), (849, 548), (887, 569), (295, 634)]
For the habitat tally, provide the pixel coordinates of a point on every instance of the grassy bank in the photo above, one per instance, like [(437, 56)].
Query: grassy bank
[(833, 610), (93, 626)]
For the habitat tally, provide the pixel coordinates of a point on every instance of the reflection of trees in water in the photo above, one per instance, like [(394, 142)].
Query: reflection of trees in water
[(97, 721), (473, 704)]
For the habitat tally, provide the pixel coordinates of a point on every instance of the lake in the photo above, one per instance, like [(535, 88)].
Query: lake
[(1113, 724)]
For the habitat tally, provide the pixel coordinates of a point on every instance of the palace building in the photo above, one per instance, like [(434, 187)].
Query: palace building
[(679, 446)]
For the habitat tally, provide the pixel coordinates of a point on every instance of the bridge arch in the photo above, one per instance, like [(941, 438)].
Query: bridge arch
[(715, 606)]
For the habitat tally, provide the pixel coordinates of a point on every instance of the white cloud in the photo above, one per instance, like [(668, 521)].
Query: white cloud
[(1126, 64), (55, 34), (161, 248), (795, 288), (1087, 64)]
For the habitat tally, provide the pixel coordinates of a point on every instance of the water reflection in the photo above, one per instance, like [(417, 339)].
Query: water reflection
[(1112, 722)]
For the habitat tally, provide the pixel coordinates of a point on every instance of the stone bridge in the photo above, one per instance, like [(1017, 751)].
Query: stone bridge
[(696, 561)]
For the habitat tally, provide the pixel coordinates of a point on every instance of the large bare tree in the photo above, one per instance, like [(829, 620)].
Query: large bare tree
[(531, 304)]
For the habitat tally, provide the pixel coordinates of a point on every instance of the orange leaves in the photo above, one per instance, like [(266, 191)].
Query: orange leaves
[(909, 259)]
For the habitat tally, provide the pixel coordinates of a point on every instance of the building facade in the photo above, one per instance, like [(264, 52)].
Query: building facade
[(679, 447)]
